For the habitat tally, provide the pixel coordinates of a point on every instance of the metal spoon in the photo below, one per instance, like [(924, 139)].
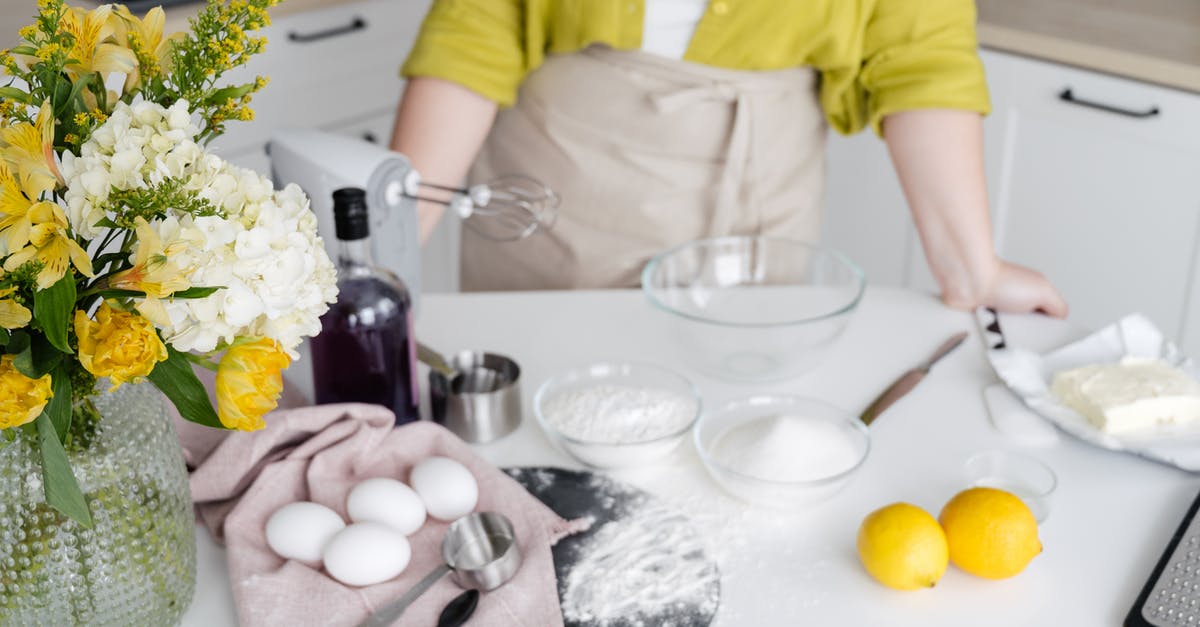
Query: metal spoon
[(434, 360)]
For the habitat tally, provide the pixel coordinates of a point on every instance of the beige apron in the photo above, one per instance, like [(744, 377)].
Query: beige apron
[(648, 153)]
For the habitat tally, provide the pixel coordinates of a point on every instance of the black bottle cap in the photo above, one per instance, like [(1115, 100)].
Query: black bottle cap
[(350, 214)]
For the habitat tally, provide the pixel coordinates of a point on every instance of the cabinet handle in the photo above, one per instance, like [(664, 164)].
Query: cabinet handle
[(369, 136), (356, 25), (1067, 96)]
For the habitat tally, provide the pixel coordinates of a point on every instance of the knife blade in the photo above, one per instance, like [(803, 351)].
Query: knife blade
[(909, 380)]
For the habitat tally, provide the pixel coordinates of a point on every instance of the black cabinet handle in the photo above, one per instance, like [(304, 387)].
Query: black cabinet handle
[(356, 25), (369, 136), (1069, 97)]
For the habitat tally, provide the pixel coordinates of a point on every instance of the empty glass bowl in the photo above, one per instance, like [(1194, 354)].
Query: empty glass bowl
[(1029, 479), (785, 452), (754, 308), (619, 414)]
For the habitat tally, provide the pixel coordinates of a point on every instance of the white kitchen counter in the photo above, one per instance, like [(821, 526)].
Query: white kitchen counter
[(1110, 520)]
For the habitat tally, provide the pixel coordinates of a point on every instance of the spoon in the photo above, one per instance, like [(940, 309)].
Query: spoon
[(434, 360), (458, 610)]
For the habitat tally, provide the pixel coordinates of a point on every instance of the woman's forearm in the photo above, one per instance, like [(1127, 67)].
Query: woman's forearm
[(440, 127), (938, 155)]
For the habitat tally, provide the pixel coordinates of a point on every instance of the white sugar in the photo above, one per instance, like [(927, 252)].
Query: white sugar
[(787, 448)]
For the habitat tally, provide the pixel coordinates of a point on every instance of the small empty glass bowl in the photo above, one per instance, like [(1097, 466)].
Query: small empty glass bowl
[(1024, 476), (754, 308), (617, 415), (785, 452)]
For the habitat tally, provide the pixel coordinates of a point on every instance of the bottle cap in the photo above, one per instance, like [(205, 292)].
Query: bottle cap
[(350, 214)]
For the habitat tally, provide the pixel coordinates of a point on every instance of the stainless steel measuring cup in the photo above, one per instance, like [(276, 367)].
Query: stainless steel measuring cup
[(479, 551), (476, 395)]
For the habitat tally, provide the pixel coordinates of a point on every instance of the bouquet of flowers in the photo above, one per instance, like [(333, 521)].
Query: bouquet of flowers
[(128, 252)]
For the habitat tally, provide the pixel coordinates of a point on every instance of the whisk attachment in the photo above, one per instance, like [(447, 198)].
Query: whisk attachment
[(507, 208)]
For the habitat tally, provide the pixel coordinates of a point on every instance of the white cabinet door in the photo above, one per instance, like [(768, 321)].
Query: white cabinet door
[(1099, 188)]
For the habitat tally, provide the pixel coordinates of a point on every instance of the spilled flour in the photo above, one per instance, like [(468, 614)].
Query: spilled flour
[(648, 563)]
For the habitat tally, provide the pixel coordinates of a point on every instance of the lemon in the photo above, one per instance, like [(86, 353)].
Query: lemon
[(903, 547), (991, 532)]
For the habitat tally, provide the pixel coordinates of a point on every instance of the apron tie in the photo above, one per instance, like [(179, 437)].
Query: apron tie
[(737, 152)]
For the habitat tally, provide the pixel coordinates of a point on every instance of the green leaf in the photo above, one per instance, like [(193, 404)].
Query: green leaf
[(18, 343), (108, 223), (14, 93), (62, 491), (52, 307), (196, 292), (4, 336), (59, 407), (117, 293), (39, 358), (176, 379), (26, 50), (80, 83), (224, 94)]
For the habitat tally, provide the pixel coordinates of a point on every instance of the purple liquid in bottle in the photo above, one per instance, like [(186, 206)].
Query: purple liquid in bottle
[(365, 352)]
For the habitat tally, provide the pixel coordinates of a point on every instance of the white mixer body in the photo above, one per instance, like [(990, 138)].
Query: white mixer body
[(321, 162)]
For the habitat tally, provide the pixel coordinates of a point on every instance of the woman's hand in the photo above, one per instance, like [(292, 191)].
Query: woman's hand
[(938, 155), (1011, 288)]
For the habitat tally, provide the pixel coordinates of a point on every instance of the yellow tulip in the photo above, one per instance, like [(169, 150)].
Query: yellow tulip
[(21, 399), (249, 382), (119, 345)]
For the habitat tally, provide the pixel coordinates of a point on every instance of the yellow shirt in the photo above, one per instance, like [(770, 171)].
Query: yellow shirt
[(875, 57)]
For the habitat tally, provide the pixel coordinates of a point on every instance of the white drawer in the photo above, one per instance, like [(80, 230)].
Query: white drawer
[(1071, 95)]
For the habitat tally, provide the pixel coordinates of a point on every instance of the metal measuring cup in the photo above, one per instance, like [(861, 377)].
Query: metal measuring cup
[(479, 551), (474, 394)]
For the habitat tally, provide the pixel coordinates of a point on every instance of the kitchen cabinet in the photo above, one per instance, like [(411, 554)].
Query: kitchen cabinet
[(1092, 180), (337, 69)]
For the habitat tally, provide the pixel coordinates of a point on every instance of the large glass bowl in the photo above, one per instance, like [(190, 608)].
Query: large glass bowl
[(634, 388), (754, 308), (779, 451)]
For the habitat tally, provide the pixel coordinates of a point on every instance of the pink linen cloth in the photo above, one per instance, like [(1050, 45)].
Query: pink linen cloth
[(317, 454)]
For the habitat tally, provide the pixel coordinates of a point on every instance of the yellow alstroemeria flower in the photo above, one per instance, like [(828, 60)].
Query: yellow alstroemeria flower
[(93, 50), (249, 382), (13, 315), (21, 399), (145, 38), (30, 150), (119, 345), (153, 272), (50, 244)]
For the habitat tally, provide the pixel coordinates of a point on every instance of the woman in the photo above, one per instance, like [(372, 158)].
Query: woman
[(662, 121)]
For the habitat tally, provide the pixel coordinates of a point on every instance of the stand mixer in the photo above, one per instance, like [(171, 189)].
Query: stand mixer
[(508, 208)]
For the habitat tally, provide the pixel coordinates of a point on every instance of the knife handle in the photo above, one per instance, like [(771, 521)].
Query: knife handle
[(902, 386)]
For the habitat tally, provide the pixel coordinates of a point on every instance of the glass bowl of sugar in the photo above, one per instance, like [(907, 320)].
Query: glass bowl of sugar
[(784, 452), (617, 414)]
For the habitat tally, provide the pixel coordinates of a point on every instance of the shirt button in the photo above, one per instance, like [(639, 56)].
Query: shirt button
[(720, 8)]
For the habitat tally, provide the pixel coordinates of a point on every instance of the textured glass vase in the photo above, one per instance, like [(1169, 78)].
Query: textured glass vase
[(137, 564)]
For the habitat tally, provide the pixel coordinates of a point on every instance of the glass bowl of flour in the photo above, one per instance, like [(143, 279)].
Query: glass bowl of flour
[(785, 452), (617, 414)]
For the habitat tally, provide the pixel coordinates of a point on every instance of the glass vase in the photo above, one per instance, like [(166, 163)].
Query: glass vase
[(137, 564)]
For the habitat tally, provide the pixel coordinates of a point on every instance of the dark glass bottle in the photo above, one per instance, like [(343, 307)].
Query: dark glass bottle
[(365, 352)]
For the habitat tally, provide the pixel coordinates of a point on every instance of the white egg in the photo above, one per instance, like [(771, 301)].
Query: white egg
[(366, 553), (447, 488), (386, 501), (301, 530)]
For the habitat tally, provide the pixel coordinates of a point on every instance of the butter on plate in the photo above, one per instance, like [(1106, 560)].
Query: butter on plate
[(1131, 395)]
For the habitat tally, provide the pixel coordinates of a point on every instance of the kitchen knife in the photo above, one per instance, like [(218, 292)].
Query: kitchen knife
[(909, 380)]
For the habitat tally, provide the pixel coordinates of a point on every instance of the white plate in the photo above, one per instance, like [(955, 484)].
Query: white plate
[(1029, 374)]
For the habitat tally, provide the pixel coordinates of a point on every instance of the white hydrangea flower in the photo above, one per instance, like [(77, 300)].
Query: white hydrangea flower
[(263, 250)]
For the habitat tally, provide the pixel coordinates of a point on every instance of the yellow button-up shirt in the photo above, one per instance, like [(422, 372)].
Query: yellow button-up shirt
[(875, 57)]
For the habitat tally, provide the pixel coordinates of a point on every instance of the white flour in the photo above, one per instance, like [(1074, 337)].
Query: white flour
[(618, 414), (787, 448), (639, 568)]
